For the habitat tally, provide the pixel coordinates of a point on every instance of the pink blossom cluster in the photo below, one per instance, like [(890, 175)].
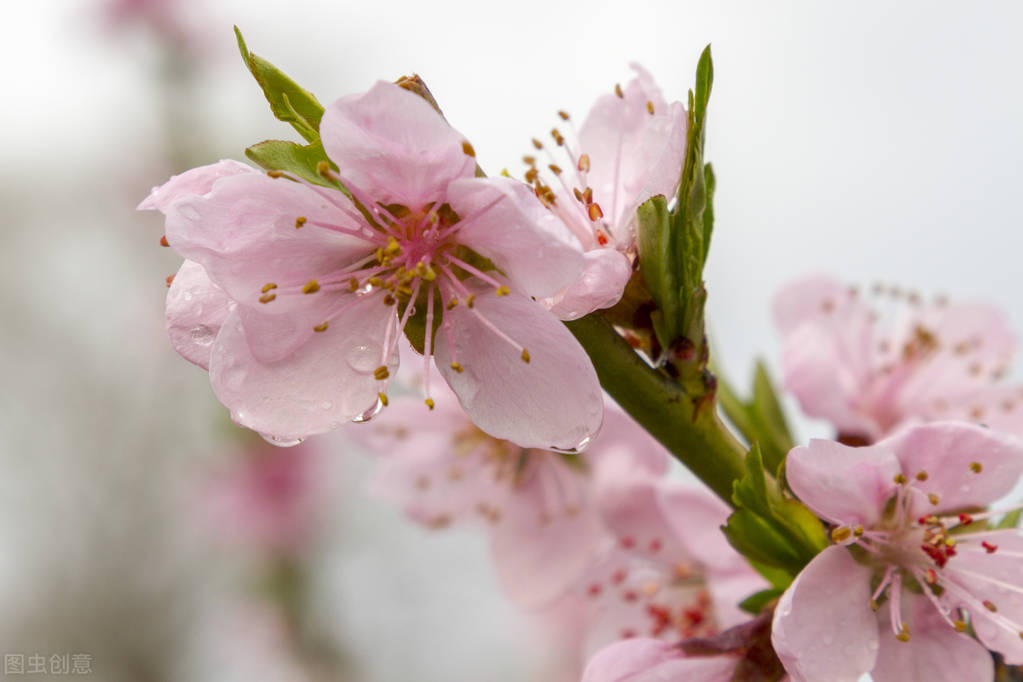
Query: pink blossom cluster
[(296, 295)]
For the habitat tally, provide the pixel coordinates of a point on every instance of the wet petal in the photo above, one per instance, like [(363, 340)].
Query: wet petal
[(193, 182), (651, 660), (554, 400), (948, 451), (842, 484), (196, 309), (600, 286), (517, 233), (244, 233), (935, 651), (327, 381), (394, 146), (824, 628)]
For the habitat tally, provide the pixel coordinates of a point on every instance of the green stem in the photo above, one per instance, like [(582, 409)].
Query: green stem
[(693, 433)]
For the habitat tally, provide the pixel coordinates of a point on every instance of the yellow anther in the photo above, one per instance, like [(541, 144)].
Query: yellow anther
[(858, 531), (563, 114), (976, 467), (457, 367), (960, 625), (595, 212), (503, 290), (505, 173), (268, 286), (468, 150), (353, 284), (529, 160), (429, 403), (990, 606), (452, 303), (900, 479), (375, 281), (429, 274), (950, 542), (525, 356), (904, 635), (559, 139), (323, 169), (650, 106), (537, 144), (383, 399), (311, 287), (381, 373), (584, 163), (404, 290), (933, 499), (840, 534), (393, 248), (320, 327), (874, 606), (921, 476), (555, 169), (266, 298), (299, 222), (618, 90), (471, 301)]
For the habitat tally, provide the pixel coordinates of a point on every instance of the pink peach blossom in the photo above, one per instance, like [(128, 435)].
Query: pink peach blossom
[(630, 148), (538, 505), (668, 573), (302, 294), (933, 361), (913, 566)]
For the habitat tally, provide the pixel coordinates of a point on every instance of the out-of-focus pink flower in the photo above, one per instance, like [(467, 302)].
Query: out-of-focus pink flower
[(175, 21), (301, 287), (668, 573), (631, 148), (654, 660), (934, 361), (267, 501), (538, 505), (911, 542)]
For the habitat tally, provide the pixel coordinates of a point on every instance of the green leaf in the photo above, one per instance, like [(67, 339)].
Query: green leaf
[(288, 101), (656, 259), (708, 211), (291, 157), (772, 430), (783, 533), (1010, 520), (758, 539), (755, 603)]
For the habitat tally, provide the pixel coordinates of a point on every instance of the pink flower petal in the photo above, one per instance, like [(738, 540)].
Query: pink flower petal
[(633, 155), (522, 238), (394, 146), (845, 485), (696, 516), (545, 537), (823, 626), (947, 451), (196, 309), (600, 286), (651, 660), (628, 505), (244, 233), (193, 182), (820, 299), (552, 401), (994, 578), (935, 651), (326, 382)]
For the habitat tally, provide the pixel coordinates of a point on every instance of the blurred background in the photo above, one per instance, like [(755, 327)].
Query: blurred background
[(147, 538)]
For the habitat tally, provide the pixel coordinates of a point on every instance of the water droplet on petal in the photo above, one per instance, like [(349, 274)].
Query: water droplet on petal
[(370, 413), (202, 335), (579, 447), (281, 441), (363, 358)]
